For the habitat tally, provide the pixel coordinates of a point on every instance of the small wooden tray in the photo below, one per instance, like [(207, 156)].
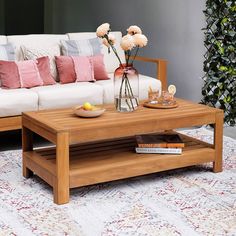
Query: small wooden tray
[(160, 106)]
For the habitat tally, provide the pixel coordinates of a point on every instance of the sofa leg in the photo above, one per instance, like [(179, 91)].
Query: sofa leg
[(27, 145)]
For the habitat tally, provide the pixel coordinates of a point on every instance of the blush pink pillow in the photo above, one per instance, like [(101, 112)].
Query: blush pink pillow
[(44, 70), (83, 69), (29, 74), (99, 67), (22, 74), (9, 75), (65, 67)]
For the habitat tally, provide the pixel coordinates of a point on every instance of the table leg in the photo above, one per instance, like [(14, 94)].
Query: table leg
[(27, 145), (61, 188), (218, 141)]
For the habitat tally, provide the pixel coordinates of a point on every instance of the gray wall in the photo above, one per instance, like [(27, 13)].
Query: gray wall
[(2, 17), (173, 28)]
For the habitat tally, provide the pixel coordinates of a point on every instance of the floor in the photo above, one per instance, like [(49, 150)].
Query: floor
[(12, 140)]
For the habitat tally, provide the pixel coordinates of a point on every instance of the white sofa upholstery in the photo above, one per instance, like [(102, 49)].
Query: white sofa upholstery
[(3, 39), (68, 95), (14, 102)]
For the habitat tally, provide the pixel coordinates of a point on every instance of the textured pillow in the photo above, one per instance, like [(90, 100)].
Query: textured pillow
[(9, 76), (99, 67), (7, 52), (22, 74), (83, 69), (66, 71), (31, 53), (83, 47), (44, 70)]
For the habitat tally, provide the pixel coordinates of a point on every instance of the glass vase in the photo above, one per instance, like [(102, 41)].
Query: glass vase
[(126, 88)]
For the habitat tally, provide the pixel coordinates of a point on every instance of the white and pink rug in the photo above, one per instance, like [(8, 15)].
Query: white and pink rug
[(191, 201)]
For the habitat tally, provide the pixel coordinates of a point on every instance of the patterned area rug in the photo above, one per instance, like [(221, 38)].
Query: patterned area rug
[(190, 201)]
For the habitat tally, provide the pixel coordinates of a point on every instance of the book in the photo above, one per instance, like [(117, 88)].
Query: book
[(159, 150), (163, 140)]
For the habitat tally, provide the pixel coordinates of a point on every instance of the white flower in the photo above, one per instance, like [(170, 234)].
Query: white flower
[(127, 43), (140, 40), (134, 29), (111, 38), (102, 30)]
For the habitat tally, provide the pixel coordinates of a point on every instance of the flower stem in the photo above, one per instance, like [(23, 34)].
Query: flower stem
[(136, 52), (112, 47)]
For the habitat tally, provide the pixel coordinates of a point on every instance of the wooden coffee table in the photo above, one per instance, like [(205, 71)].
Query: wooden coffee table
[(94, 150)]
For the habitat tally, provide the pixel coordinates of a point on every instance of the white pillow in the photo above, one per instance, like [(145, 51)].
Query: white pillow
[(32, 53)]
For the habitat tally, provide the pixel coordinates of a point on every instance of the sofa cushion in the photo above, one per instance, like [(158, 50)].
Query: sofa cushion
[(3, 39), (99, 67), (65, 68), (81, 47), (7, 52), (9, 75), (144, 83), (32, 53), (34, 41), (83, 67), (44, 70), (110, 60), (15, 101), (68, 95), (29, 74), (25, 74)]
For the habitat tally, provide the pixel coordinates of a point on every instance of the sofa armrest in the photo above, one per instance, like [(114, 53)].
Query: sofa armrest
[(161, 68)]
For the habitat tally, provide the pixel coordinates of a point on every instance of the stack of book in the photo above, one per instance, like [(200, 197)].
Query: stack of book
[(164, 143)]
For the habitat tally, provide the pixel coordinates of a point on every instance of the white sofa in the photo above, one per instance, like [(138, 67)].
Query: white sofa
[(15, 101)]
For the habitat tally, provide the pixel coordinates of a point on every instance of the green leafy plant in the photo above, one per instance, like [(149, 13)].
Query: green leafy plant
[(219, 89)]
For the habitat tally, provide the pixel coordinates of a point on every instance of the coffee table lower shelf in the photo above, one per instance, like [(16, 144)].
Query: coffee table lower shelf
[(108, 160)]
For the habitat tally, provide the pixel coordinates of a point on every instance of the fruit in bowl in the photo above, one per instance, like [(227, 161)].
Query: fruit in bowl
[(88, 107), (88, 110)]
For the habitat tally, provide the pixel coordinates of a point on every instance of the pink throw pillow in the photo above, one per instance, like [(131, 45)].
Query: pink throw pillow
[(65, 67), (99, 67), (83, 69), (29, 74), (9, 75), (44, 70)]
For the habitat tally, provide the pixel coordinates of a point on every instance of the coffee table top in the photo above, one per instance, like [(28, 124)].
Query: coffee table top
[(115, 124)]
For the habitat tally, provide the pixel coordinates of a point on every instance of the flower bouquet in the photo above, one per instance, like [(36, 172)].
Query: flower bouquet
[(126, 76)]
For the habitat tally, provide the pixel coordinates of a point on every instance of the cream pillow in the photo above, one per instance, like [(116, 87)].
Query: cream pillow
[(32, 53)]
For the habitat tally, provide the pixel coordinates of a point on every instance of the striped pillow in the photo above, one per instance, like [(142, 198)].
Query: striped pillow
[(83, 47), (7, 52)]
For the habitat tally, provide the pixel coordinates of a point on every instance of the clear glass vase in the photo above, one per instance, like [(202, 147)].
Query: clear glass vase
[(126, 88)]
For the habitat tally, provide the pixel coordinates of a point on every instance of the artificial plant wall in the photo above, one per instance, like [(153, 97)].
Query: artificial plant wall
[(219, 88)]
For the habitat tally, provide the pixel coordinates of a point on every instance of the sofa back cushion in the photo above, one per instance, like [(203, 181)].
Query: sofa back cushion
[(83, 67), (110, 60), (3, 39), (29, 74), (7, 52), (25, 74), (99, 67), (32, 53), (35, 41), (43, 65), (38, 45), (81, 47), (9, 76), (65, 69)]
